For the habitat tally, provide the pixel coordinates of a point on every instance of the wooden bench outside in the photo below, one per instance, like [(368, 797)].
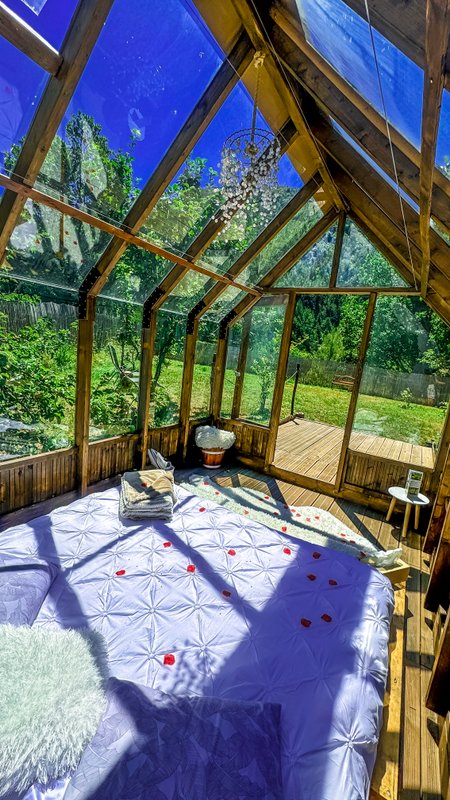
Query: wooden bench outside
[(343, 381)]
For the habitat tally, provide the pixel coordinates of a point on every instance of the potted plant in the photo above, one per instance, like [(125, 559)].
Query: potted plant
[(213, 443)]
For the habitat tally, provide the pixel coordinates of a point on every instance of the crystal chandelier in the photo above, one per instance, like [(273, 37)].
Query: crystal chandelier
[(249, 164)]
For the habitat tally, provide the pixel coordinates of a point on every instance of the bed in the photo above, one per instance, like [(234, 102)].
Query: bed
[(214, 604)]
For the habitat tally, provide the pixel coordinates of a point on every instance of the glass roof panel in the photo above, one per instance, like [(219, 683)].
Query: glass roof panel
[(225, 302), (274, 251), (343, 38), (443, 140), (48, 247), (314, 267), (361, 264), (21, 86), (187, 293), (135, 276), (130, 103), (49, 18)]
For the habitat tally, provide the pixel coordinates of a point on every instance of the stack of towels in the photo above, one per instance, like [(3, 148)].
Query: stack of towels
[(147, 494)]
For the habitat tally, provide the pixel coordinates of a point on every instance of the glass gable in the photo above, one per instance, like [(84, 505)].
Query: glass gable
[(314, 267), (130, 103), (343, 38), (361, 264)]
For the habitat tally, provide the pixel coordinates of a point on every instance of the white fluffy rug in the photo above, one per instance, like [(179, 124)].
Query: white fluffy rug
[(51, 700)]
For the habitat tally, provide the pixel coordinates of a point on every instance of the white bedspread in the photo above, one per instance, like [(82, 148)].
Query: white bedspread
[(216, 604)]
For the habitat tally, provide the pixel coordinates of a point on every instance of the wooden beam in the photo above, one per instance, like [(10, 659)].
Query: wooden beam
[(338, 248), (186, 384), (273, 228), (22, 36), (356, 290), (215, 225), (114, 230), (436, 45), (359, 119), (145, 384), (219, 376), (83, 32), (83, 394), (365, 339), (257, 32), (219, 88), (280, 378)]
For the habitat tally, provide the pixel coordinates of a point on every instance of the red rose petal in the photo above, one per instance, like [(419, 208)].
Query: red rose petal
[(351, 541), (332, 582), (343, 535), (120, 572), (308, 519), (326, 617), (190, 567), (226, 593), (316, 517), (287, 551), (284, 529), (305, 622), (298, 515), (245, 512), (167, 544), (316, 554), (276, 512), (311, 577), (363, 555), (169, 659), (231, 552), (144, 484), (202, 509), (216, 492)]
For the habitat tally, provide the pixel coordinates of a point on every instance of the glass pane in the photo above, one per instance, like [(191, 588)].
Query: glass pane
[(261, 362), (314, 267), (49, 18), (274, 251), (361, 264), (187, 293), (443, 141), (324, 350), (48, 247), (168, 360), (231, 375), (38, 343), (405, 385), (225, 302), (136, 274), (204, 355), (343, 38), (130, 103), (115, 369), (21, 86)]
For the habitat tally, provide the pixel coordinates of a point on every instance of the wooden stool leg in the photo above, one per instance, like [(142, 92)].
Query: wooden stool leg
[(390, 509), (406, 520), (416, 517)]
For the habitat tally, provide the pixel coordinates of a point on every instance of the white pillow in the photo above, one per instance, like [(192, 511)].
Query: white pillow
[(51, 701)]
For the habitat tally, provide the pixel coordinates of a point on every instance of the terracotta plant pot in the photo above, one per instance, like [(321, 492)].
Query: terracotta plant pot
[(212, 458)]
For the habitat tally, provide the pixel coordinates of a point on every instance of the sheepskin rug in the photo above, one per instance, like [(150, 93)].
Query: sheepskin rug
[(51, 698)]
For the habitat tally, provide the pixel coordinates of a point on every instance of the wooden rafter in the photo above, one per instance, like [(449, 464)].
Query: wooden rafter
[(80, 39), (248, 13), (358, 118), (22, 36), (338, 248), (213, 97), (436, 46), (26, 192)]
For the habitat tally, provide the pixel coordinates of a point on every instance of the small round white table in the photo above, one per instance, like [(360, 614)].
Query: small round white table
[(410, 500)]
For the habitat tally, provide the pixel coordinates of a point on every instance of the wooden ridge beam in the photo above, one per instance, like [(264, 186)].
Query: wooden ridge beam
[(83, 32), (26, 192), (215, 94), (207, 235), (436, 45), (246, 10), (358, 118), (273, 228), (22, 36)]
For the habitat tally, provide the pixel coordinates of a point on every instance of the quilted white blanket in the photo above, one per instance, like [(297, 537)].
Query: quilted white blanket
[(215, 604)]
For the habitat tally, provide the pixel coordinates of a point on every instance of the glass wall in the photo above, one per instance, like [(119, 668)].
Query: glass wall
[(205, 351), (167, 368), (115, 368), (231, 366), (405, 384), (313, 269), (38, 340)]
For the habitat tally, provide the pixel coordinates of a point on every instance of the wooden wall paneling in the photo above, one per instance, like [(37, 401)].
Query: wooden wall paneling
[(355, 390), (438, 590), (439, 508), (30, 479), (280, 378)]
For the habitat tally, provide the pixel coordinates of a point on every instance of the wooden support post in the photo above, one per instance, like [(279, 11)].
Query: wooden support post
[(277, 399), (441, 456), (340, 474), (188, 380), (337, 249), (241, 364), (219, 376), (22, 36), (145, 382), (83, 392)]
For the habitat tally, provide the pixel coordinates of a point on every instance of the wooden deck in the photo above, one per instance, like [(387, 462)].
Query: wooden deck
[(407, 766), (312, 449)]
